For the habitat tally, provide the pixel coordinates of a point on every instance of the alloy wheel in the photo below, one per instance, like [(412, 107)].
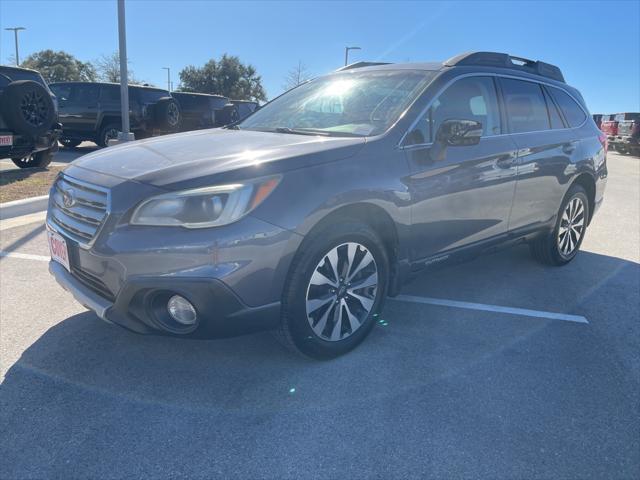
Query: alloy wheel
[(173, 114), (34, 108), (342, 291), (572, 225), (110, 134)]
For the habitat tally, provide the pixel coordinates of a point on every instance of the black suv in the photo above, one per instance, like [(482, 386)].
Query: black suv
[(200, 110), (91, 111), (29, 127)]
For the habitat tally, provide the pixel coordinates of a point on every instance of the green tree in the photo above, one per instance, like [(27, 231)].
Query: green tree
[(60, 67), (227, 76)]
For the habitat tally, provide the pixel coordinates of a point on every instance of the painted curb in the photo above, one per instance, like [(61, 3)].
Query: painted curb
[(23, 207)]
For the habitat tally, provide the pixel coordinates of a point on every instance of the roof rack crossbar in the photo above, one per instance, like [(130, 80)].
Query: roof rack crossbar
[(504, 60), (351, 66)]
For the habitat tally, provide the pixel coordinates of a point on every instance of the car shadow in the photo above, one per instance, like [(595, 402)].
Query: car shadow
[(256, 373)]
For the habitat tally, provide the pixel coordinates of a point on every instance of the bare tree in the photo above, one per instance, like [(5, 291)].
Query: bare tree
[(108, 67), (296, 76)]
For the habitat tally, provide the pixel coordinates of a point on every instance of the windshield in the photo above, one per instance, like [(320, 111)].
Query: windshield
[(346, 104)]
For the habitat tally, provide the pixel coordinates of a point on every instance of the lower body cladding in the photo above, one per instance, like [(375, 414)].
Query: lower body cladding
[(151, 290)]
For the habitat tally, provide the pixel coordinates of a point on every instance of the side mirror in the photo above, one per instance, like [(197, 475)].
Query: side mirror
[(459, 133), (454, 133)]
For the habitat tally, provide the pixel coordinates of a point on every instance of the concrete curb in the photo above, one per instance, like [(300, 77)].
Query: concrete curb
[(23, 207)]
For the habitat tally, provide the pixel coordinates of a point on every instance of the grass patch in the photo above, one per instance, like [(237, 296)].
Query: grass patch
[(26, 182)]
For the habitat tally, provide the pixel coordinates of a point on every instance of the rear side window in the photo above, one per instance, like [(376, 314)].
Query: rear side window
[(526, 106), (472, 98), (574, 115), (110, 93)]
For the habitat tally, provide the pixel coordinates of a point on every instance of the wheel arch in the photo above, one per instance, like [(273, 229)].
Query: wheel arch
[(381, 222), (586, 181)]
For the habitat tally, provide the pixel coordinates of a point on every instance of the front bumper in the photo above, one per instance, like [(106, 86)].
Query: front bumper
[(220, 312)]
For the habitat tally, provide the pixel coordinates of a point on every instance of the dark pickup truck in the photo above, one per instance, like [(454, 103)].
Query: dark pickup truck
[(91, 111), (29, 127), (627, 140)]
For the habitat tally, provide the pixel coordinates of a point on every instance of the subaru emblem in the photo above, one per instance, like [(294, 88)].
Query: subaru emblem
[(68, 198)]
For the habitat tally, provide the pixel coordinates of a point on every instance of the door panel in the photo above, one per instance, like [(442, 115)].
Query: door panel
[(465, 198), (79, 112), (544, 166)]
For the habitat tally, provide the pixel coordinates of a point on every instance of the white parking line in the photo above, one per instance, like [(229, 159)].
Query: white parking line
[(491, 308), (24, 256), (411, 299)]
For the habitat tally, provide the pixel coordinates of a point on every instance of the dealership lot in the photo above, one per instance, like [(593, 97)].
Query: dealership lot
[(436, 390)]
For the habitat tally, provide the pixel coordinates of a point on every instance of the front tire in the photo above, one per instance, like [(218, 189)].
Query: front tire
[(335, 290), (70, 142), (563, 244)]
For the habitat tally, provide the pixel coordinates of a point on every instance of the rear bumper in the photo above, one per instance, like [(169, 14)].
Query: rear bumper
[(24, 145), (220, 312)]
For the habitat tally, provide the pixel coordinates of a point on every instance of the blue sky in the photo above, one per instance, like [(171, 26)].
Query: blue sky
[(596, 44)]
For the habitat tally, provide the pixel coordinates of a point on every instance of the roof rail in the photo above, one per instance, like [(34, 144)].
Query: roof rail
[(504, 60), (351, 66)]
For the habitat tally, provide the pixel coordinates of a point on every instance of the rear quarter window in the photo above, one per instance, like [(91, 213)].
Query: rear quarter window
[(572, 112)]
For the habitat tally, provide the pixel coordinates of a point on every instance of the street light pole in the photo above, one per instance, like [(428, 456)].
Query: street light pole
[(168, 69), (15, 35), (346, 54), (125, 135)]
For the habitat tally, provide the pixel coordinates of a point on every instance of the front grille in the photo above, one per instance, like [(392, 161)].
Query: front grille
[(78, 208), (93, 283)]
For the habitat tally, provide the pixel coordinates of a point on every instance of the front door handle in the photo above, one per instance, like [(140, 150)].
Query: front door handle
[(506, 161), (569, 147)]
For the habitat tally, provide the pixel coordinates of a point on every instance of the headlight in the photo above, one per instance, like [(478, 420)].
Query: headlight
[(204, 207)]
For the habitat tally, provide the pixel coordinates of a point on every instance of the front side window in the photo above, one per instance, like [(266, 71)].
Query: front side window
[(346, 104), (83, 94), (525, 104), (61, 91), (572, 112), (472, 98)]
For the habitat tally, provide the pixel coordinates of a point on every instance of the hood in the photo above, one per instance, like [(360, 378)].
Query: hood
[(163, 161)]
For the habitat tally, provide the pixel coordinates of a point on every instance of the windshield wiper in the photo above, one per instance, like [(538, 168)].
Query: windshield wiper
[(301, 131), (231, 126)]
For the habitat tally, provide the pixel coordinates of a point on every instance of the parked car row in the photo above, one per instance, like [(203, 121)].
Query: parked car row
[(622, 130), (92, 111), (35, 116)]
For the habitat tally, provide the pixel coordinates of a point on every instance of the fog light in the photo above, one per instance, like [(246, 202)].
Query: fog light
[(181, 310)]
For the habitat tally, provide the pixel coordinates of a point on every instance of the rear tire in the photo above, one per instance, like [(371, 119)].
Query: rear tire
[(107, 132), (324, 317), (35, 160), (167, 115), (562, 245)]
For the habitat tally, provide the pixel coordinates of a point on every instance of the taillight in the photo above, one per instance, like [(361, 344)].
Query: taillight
[(602, 137)]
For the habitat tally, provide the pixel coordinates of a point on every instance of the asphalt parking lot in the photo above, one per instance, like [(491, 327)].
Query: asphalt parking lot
[(436, 391)]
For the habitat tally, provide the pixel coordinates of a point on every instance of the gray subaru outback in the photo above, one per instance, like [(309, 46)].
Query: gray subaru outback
[(303, 217)]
